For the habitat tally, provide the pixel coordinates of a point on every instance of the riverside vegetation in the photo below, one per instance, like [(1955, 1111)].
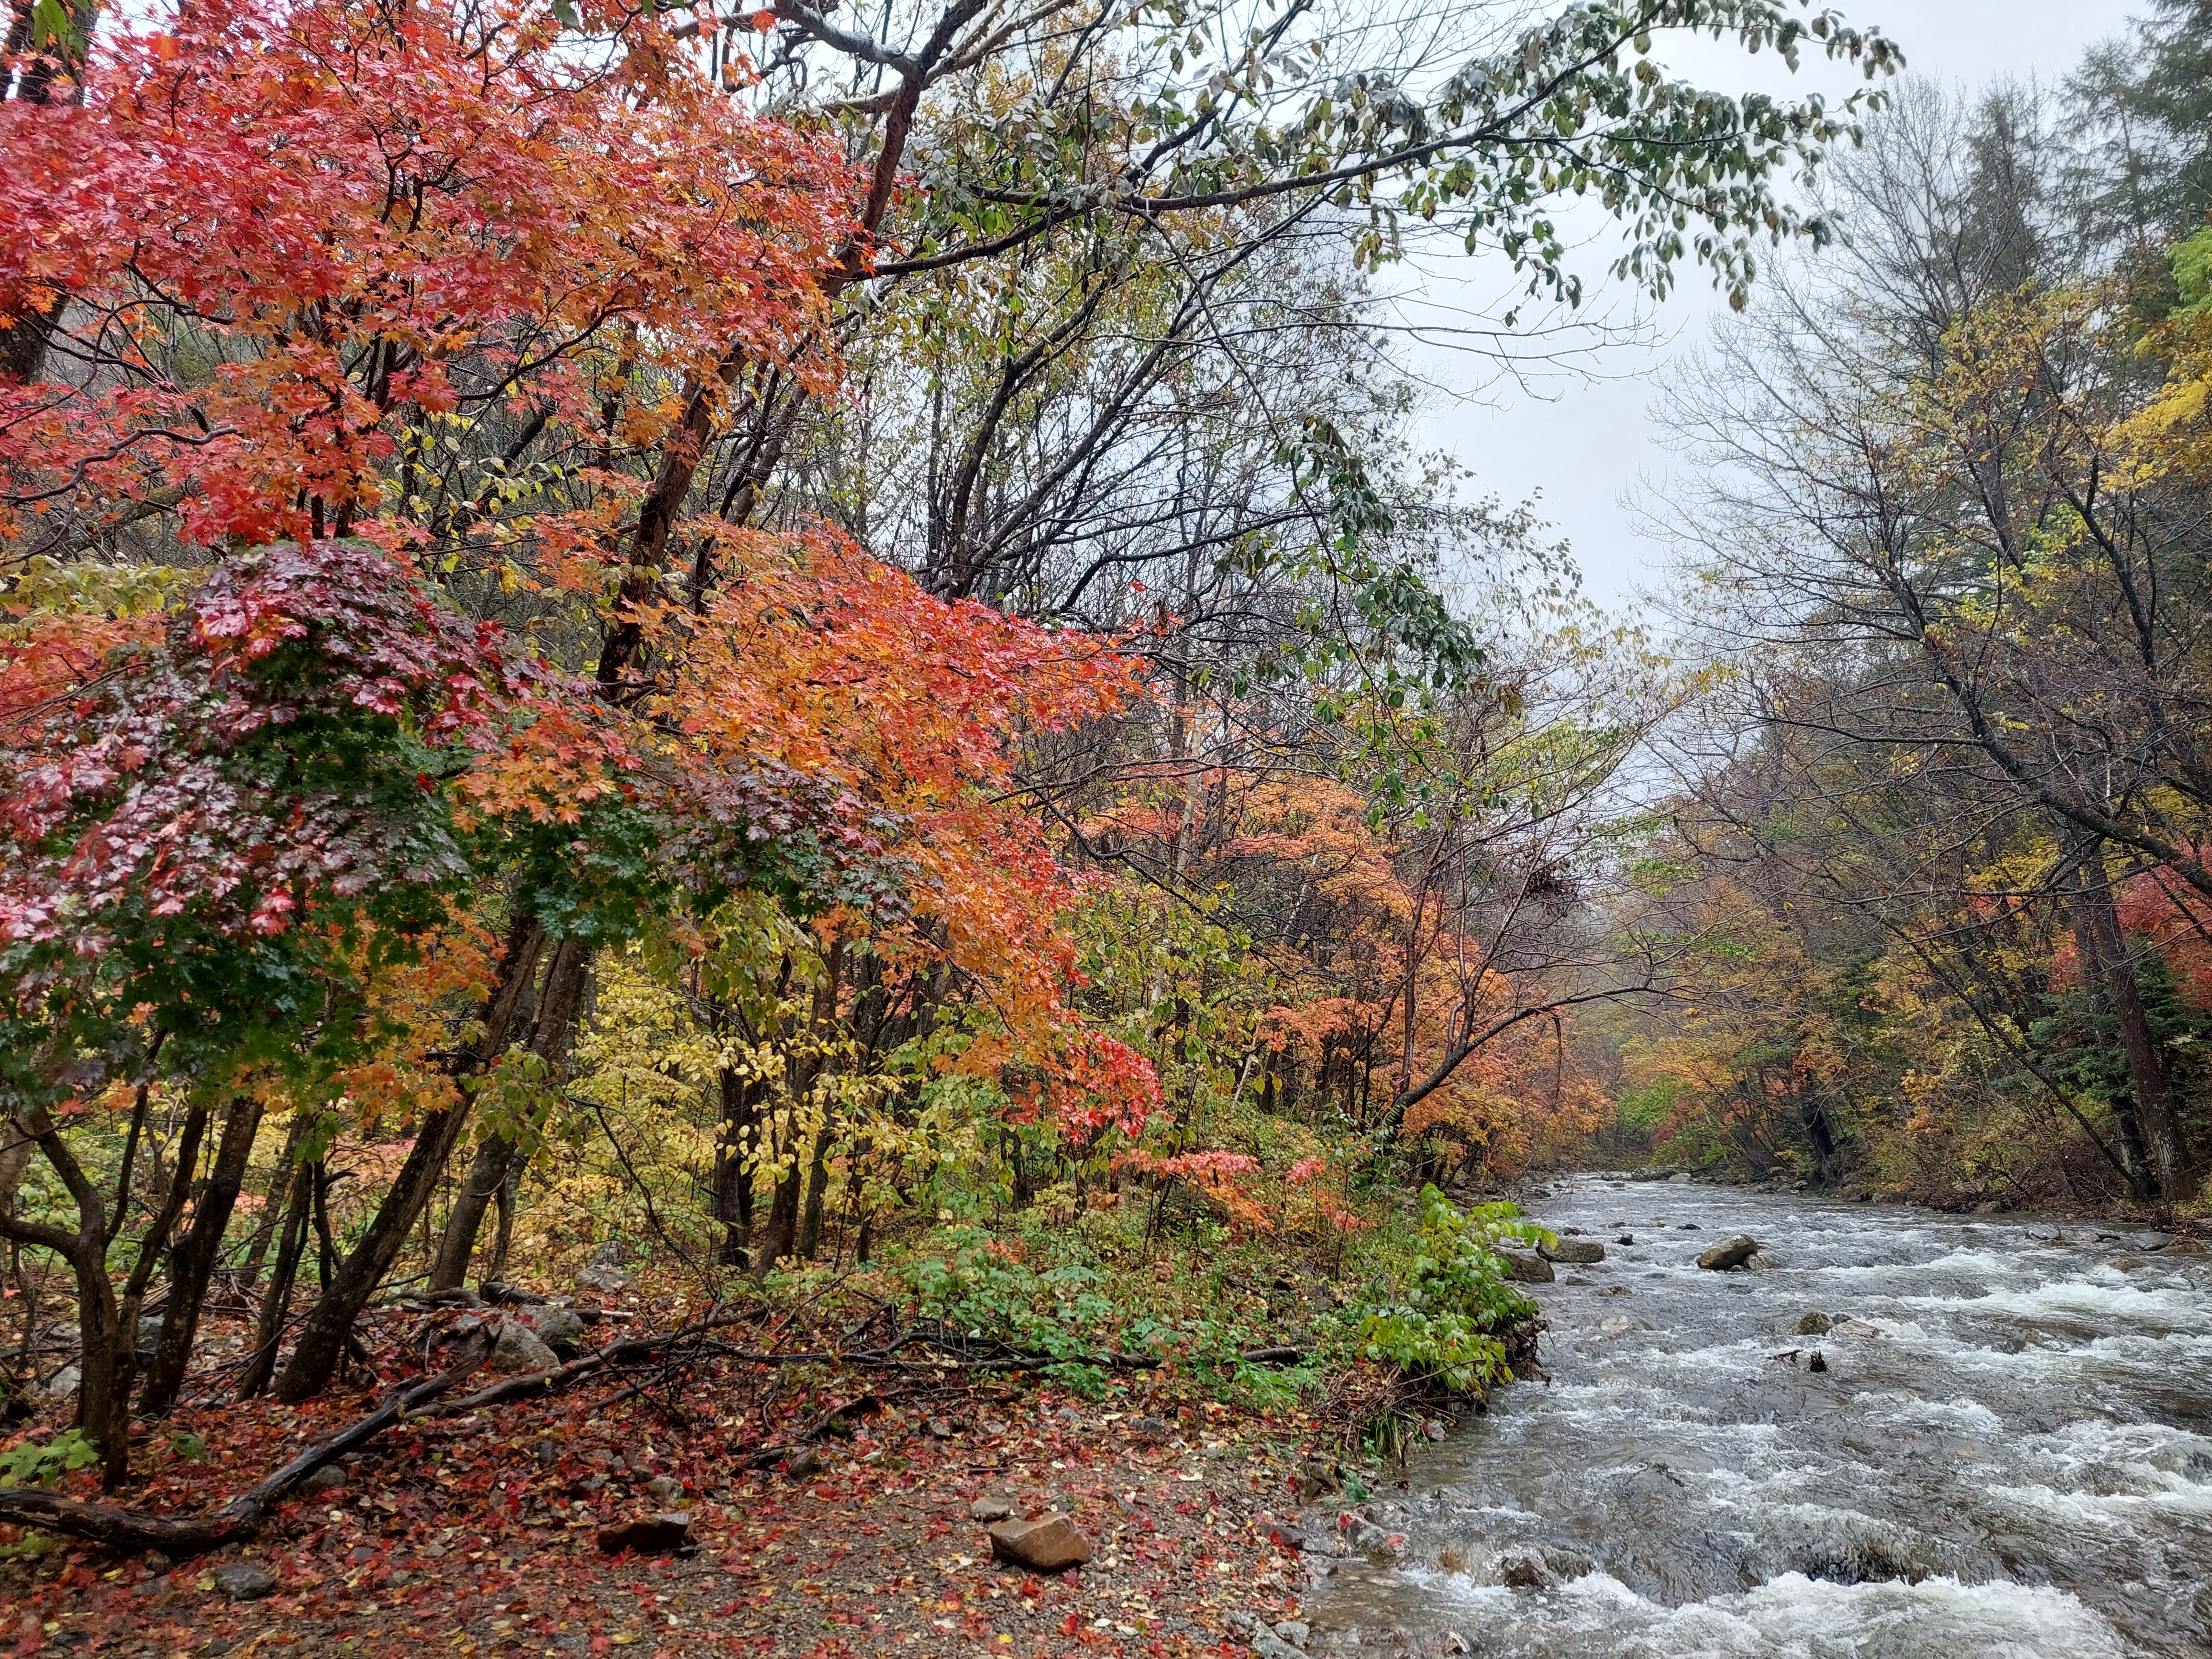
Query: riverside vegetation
[(747, 733)]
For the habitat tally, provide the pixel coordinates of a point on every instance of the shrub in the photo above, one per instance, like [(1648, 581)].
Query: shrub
[(1441, 1324)]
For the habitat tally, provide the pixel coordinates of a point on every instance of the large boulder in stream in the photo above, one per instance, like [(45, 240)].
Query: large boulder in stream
[(1573, 1252), (1525, 1267), (1728, 1256)]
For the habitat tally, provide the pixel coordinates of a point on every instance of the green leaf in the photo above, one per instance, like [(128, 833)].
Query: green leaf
[(50, 25)]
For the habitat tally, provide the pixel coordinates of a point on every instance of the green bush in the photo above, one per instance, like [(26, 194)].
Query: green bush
[(979, 1290), (1439, 1324), (30, 1465)]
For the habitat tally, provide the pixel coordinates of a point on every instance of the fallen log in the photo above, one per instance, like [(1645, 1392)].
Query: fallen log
[(241, 1517), (196, 1534)]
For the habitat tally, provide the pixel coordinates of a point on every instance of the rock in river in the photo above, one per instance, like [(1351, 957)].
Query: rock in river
[(1526, 1266), (1813, 1324), (1723, 1258), (1574, 1252)]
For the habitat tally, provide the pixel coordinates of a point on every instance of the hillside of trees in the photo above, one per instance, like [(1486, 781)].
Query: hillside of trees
[(810, 643), (1940, 831)]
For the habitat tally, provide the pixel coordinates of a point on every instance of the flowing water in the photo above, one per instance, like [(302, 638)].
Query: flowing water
[(2008, 1453)]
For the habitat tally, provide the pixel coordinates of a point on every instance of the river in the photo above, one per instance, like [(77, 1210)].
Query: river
[(2008, 1453)]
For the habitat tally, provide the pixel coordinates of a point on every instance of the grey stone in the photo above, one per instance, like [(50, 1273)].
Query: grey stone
[(1813, 1324), (1526, 1266), (65, 1383), (519, 1350), (1050, 1543), (1293, 1630), (2148, 1241), (329, 1478), (1572, 1252), (1734, 1254), (664, 1488), (244, 1581), (1150, 1430), (150, 1335), (991, 1507), (1268, 1645), (557, 1328), (605, 1280)]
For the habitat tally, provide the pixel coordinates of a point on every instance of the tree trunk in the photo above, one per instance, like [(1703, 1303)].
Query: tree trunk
[(502, 1237), (552, 1019), (281, 1180), (734, 1175), (2153, 1092), (487, 1173), (782, 1229), (105, 1366), (277, 1303), (323, 1339), (191, 1265), (2150, 1136), (817, 1181)]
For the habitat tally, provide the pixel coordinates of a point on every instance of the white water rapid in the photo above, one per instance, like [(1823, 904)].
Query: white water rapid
[(2008, 1455)]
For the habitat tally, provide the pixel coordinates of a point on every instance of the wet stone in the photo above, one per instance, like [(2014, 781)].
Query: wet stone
[(1728, 1256), (1526, 1266)]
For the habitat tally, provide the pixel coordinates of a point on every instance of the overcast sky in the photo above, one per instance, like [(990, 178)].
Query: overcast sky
[(1579, 437)]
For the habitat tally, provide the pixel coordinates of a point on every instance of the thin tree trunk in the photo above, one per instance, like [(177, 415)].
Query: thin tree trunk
[(734, 1175), (2150, 1133), (818, 1180), (782, 1229), (2161, 1130), (323, 1339), (277, 1303), (509, 1195), (104, 1367), (191, 1265), (281, 1180), (487, 1172)]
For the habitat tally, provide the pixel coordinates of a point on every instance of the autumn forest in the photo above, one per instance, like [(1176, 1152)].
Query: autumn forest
[(745, 719)]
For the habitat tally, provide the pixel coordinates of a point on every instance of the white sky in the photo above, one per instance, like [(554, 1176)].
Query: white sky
[(1578, 439)]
